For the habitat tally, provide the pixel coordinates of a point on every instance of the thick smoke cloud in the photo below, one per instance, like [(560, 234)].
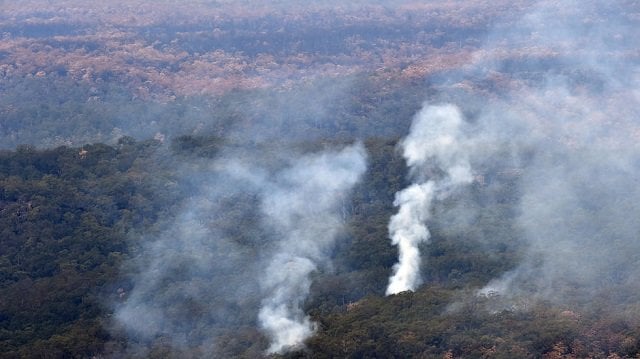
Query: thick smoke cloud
[(436, 143)]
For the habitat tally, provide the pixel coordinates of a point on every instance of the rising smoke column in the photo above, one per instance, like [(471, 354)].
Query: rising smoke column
[(302, 208), (435, 144)]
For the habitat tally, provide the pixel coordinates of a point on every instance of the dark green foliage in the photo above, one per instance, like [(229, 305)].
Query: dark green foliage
[(199, 146), (436, 322), (65, 215)]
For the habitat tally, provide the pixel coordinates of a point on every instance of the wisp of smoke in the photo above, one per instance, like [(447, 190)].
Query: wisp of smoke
[(302, 206), (436, 143)]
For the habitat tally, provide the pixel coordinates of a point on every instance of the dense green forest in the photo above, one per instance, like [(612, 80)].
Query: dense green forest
[(67, 215)]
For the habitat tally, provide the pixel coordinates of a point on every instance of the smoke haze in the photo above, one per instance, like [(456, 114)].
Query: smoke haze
[(560, 121), (571, 124)]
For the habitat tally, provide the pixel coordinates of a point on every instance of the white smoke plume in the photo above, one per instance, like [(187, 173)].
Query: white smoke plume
[(435, 144), (303, 209)]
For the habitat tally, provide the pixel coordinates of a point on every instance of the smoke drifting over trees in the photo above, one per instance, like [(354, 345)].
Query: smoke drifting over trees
[(304, 211), (297, 225), (574, 130), (375, 179)]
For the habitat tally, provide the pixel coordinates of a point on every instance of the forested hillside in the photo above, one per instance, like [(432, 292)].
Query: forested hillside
[(233, 179), (71, 217)]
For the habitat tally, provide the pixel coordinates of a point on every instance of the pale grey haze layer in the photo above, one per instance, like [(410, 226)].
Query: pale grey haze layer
[(572, 124)]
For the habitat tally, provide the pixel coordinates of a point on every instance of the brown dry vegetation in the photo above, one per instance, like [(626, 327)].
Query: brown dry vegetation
[(166, 49), (240, 45)]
